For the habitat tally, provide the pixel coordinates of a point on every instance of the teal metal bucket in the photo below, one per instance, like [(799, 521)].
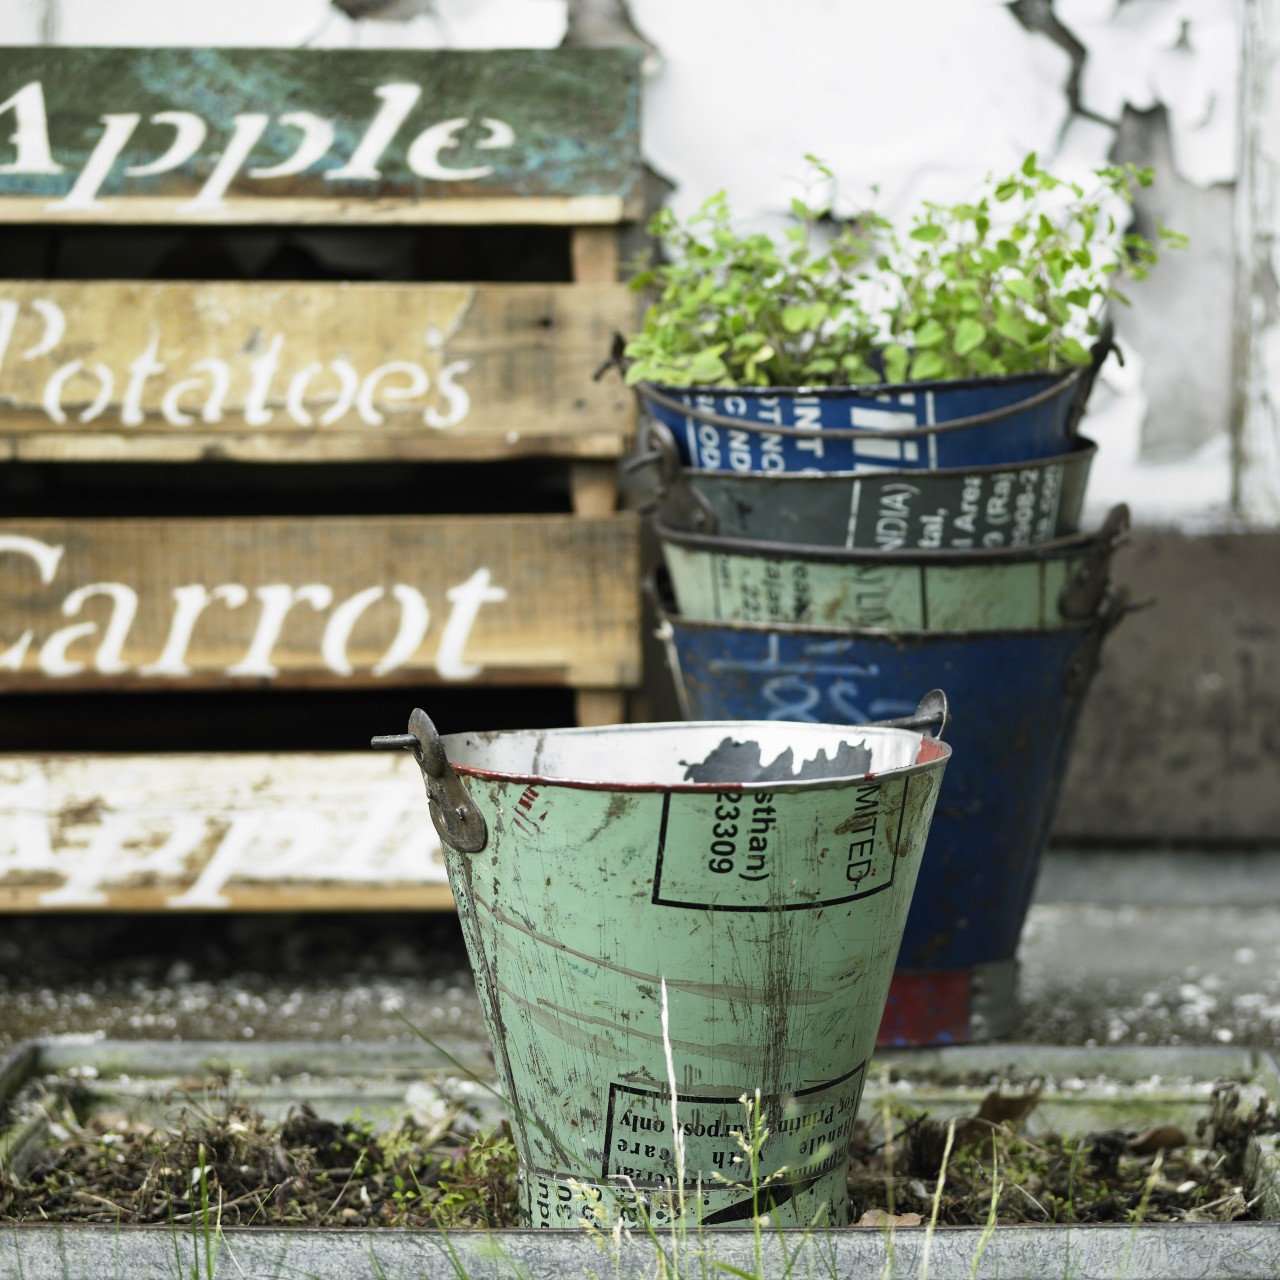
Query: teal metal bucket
[(678, 931)]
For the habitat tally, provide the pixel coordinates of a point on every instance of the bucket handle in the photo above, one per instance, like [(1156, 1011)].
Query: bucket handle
[(932, 710), (648, 393), (457, 820), (1081, 593), (655, 480)]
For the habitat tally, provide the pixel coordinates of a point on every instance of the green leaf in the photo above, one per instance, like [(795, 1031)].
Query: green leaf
[(927, 365), (1010, 326), (970, 333), (857, 371), (1029, 165), (896, 357), (930, 334), (928, 232), (717, 1265), (795, 319), (1020, 287), (1075, 352), (706, 368)]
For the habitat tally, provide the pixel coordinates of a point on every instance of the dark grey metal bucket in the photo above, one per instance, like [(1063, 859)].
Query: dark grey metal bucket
[(963, 508)]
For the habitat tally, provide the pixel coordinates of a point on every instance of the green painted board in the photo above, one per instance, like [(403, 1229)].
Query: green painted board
[(311, 135)]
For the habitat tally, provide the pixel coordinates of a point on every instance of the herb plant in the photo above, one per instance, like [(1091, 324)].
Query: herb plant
[(1014, 281), (740, 309)]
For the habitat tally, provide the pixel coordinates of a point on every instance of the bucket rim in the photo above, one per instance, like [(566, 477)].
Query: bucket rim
[(1112, 606), (835, 390), (1107, 535), (1084, 452), (657, 394), (937, 751)]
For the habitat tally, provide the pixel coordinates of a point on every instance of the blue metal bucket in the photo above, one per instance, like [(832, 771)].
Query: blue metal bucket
[(1017, 696), (908, 426)]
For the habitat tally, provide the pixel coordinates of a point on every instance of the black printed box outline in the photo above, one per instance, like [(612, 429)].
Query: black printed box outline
[(710, 1099), (659, 901)]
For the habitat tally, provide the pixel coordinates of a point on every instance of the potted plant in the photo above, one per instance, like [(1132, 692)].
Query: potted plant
[(989, 312)]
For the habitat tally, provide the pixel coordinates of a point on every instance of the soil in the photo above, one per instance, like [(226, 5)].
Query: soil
[(222, 1158), (985, 1169), (243, 1170)]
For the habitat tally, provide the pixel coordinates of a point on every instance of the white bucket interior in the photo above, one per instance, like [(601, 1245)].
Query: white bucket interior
[(679, 754)]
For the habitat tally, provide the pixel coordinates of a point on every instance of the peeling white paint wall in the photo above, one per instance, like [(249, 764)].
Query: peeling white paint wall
[(1258, 250), (921, 98)]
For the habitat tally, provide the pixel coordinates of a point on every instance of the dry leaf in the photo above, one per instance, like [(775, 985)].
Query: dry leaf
[(1158, 1139), (998, 1111), (1011, 1109), (883, 1218)]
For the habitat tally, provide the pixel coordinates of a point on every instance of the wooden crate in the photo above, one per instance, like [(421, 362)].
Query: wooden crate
[(121, 371), (302, 602), (240, 832), (325, 136), (149, 371)]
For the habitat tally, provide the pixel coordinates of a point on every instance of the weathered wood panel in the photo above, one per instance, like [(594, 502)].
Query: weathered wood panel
[(237, 832), (99, 371), (318, 135), (315, 601)]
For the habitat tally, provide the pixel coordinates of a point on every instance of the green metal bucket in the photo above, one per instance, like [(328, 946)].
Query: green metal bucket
[(667, 919), (1034, 588)]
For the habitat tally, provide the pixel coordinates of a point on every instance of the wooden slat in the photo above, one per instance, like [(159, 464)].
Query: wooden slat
[(319, 601), (212, 832), (323, 135), (152, 371), (594, 252)]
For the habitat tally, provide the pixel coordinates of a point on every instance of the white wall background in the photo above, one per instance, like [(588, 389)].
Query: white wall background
[(921, 98)]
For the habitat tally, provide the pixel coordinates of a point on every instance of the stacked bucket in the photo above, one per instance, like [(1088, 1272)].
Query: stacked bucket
[(828, 553)]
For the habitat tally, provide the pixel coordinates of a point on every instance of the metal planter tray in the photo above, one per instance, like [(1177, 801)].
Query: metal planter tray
[(336, 1078)]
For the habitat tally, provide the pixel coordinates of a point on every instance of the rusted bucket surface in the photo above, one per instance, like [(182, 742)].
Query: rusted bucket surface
[(664, 919), (1001, 505), (1015, 588), (1017, 695)]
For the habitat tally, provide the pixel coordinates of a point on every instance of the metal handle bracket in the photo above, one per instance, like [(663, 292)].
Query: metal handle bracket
[(457, 820), (933, 710)]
